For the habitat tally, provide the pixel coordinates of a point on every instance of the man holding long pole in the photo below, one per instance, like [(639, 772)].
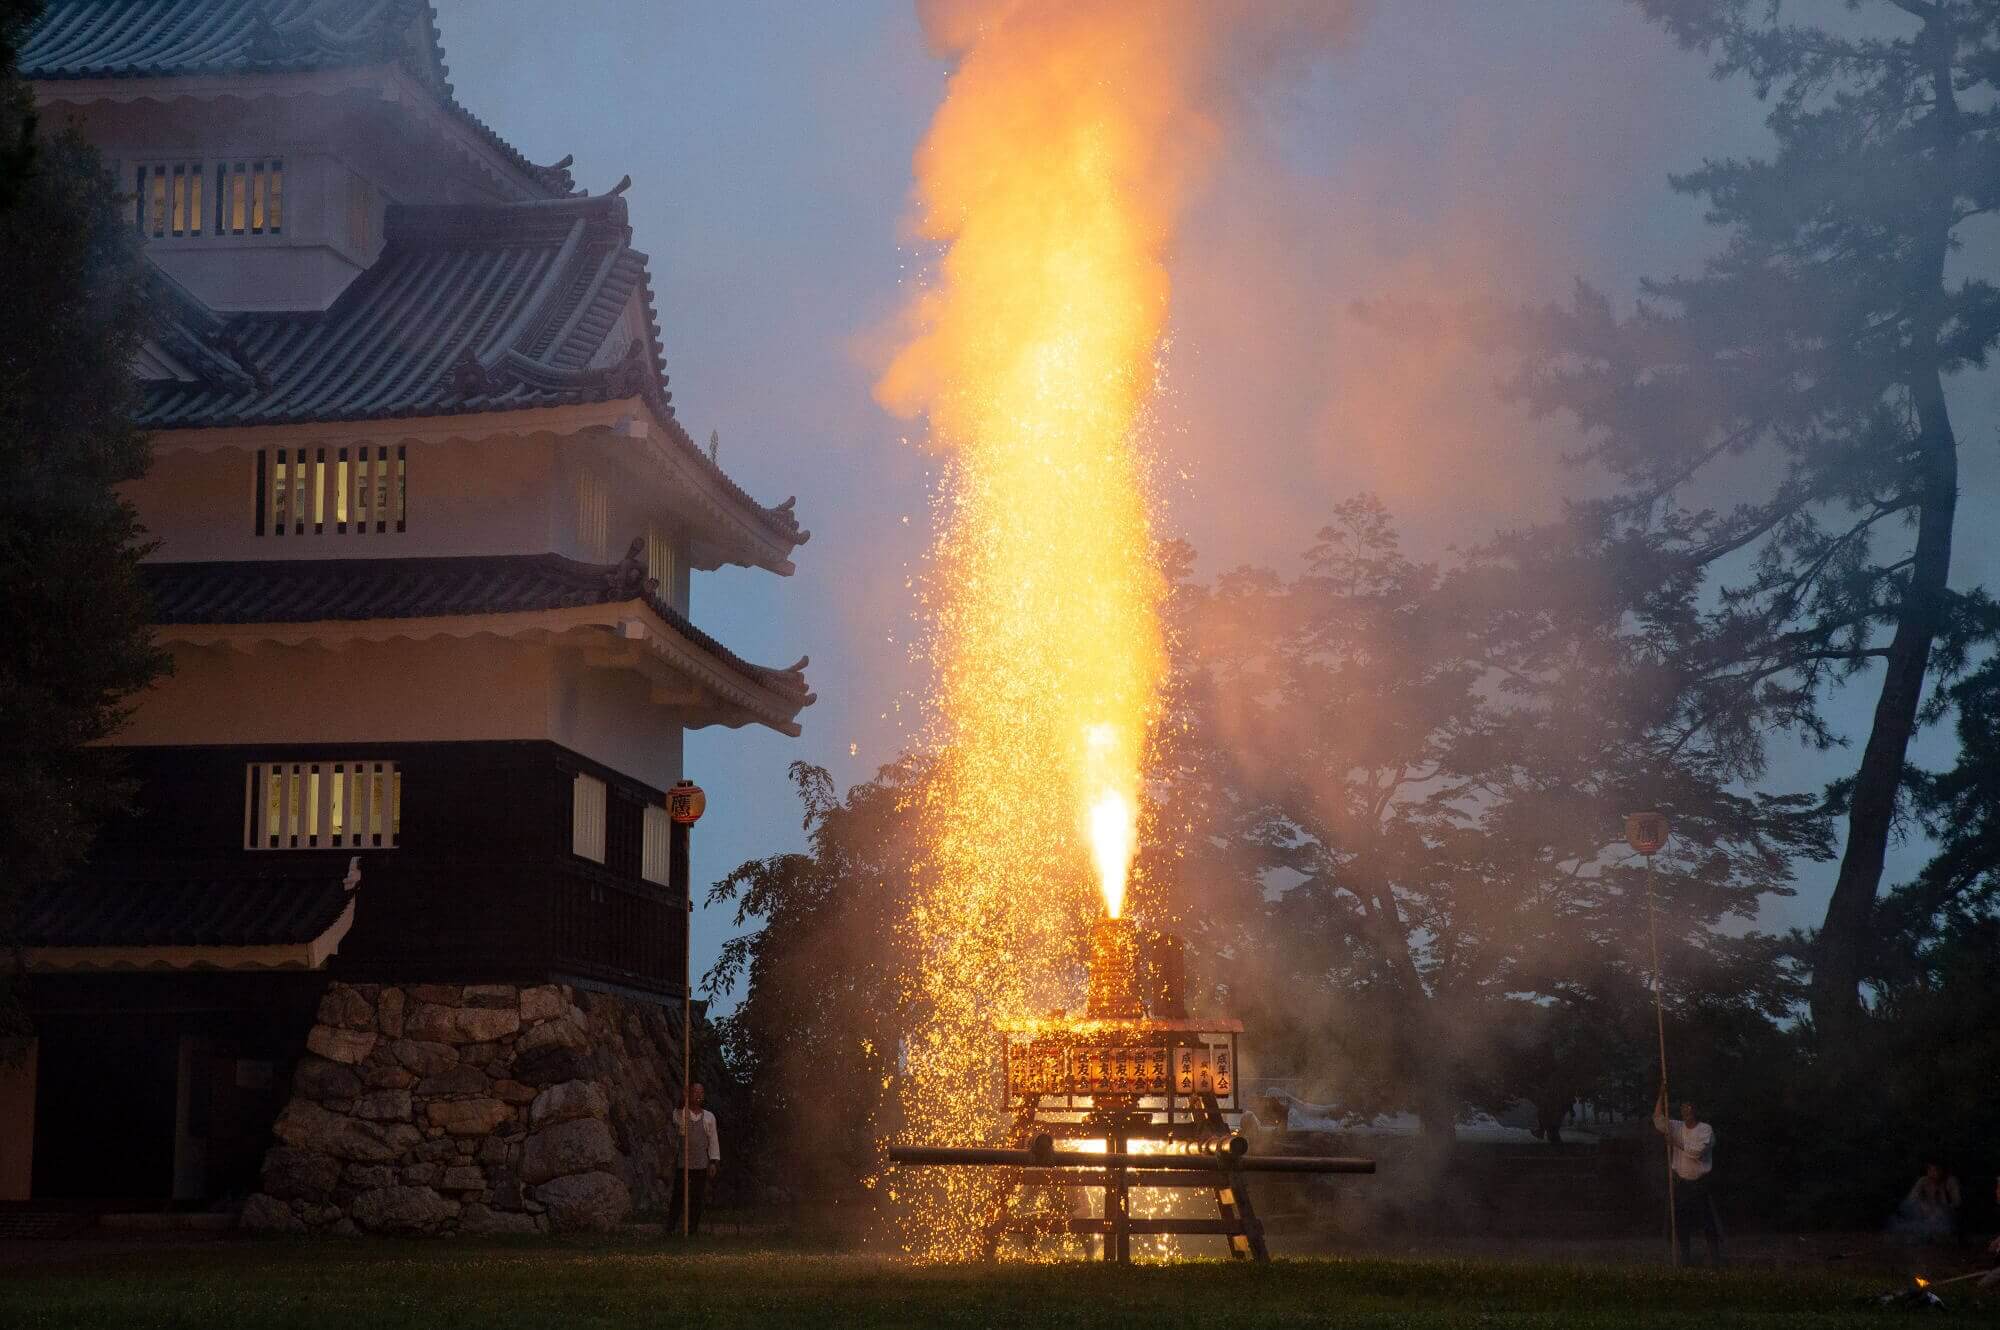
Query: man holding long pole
[(1646, 833), (701, 1158), (1691, 1146), (685, 804)]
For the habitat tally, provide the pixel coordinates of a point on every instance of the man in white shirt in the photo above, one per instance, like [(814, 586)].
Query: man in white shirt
[(700, 1158), (1691, 1152)]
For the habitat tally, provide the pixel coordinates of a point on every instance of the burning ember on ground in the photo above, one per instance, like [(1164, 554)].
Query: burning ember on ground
[(1046, 177)]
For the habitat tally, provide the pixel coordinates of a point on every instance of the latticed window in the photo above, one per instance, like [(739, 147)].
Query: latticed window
[(593, 516), (660, 560), (168, 198), (171, 198), (655, 842), (316, 491), (360, 212), (350, 804), (250, 197), (586, 818)]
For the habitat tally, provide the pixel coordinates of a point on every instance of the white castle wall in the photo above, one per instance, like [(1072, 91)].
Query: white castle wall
[(501, 495), (403, 691)]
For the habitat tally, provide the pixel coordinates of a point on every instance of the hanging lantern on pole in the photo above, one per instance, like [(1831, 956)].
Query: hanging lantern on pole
[(1646, 833)]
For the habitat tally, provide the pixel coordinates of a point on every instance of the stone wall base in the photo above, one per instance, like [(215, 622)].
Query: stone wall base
[(474, 1108)]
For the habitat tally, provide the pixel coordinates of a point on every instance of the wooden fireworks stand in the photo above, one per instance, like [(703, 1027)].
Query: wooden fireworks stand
[(1144, 1089)]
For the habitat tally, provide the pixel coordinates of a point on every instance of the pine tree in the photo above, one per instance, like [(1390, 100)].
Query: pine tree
[(1804, 372)]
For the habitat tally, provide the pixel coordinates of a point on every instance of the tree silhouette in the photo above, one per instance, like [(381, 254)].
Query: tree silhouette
[(76, 643), (1802, 373)]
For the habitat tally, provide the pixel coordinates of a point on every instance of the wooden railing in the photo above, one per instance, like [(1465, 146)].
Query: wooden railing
[(607, 927)]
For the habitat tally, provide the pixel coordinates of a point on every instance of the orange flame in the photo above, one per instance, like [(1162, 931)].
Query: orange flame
[(1114, 816)]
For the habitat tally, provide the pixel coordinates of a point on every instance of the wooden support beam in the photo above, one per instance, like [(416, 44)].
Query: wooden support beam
[(1071, 1177)]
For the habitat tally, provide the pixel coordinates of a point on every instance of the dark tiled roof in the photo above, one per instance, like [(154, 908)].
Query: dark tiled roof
[(470, 308), (318, 590), (160, 907), (198, 337), (78, 39)]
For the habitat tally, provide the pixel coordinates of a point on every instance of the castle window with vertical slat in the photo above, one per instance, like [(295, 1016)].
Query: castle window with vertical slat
[(660, 560), (655, 844), (348, 804), (593, 517), (250, 197), (358, 490), (586, 818), (168, 198)]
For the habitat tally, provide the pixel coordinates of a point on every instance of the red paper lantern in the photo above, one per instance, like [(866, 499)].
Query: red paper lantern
[(1646, 833), (686, 803)]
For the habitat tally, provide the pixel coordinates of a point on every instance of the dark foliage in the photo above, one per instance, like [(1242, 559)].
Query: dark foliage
[(1427, 771), (76, 644), (1812, 1146), (17, 116), (820, 1024), (1960, 810)]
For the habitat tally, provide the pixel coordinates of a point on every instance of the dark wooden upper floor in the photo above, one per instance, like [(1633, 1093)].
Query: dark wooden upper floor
[(478, 861)]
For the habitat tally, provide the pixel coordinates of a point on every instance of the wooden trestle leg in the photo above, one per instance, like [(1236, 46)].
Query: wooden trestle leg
[(1117, 1207), (1241, 1226), (1236, 1217)]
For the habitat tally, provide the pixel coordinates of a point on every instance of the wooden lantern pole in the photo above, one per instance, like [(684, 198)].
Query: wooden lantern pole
[(685, 804), (1646, 833)]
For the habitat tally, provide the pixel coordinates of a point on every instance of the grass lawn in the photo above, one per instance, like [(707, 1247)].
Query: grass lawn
[(380, 1286)]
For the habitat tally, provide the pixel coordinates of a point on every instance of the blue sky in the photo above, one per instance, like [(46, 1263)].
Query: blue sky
[(1452, 146)]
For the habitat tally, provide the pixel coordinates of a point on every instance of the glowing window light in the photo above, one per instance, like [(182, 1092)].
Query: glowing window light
[(368, 491), (322, 805)]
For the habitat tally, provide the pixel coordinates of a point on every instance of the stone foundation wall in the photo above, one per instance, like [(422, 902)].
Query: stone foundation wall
[(476, 1108)]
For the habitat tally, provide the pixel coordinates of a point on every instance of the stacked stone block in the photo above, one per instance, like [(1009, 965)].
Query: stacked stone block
[(475, 1108)]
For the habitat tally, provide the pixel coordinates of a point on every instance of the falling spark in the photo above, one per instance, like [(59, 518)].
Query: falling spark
[(1051, 179), (1032, 355)]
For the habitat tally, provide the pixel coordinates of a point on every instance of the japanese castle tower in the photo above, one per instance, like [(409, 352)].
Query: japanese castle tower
[(388, 944)]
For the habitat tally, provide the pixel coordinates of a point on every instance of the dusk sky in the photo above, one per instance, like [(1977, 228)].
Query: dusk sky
[(1450, 148)]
